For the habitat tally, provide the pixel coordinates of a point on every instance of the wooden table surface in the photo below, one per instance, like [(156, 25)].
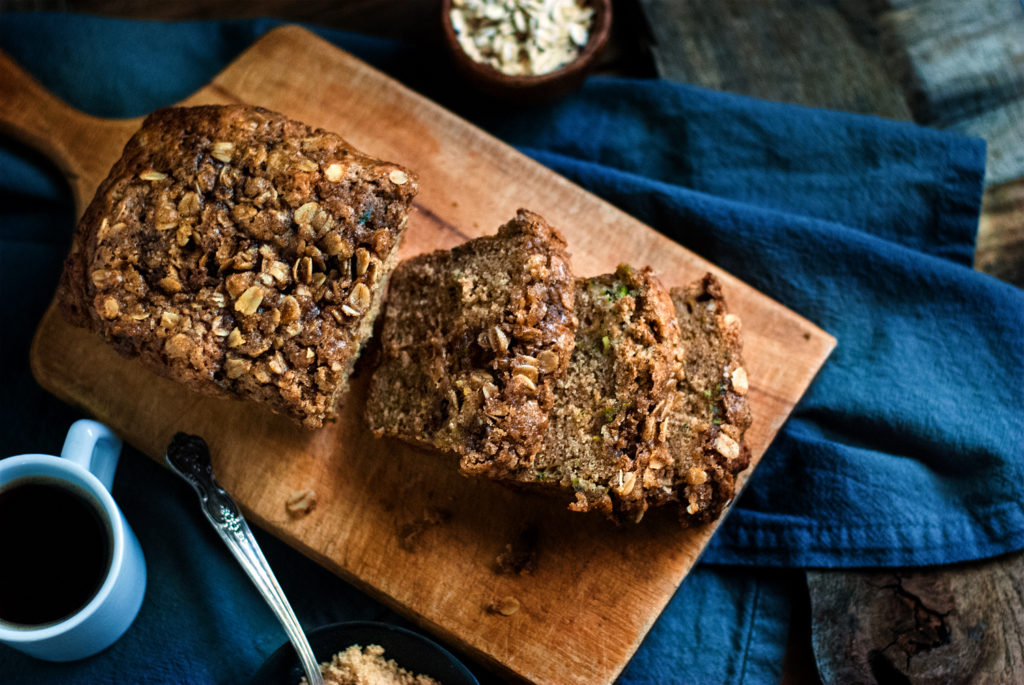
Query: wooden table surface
[(944, 63)]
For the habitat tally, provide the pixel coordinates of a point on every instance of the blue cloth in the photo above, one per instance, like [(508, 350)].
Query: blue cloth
[(906, 450)]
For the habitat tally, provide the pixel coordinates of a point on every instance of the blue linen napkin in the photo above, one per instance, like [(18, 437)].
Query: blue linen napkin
[(906, 450)]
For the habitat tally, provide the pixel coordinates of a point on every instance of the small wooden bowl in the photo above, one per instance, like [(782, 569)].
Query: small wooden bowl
[(548, 86)]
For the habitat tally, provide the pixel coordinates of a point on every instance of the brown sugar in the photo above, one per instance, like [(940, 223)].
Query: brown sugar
[(358, 665)]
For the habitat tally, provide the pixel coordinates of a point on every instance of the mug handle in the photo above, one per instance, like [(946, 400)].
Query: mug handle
[(95, 448)]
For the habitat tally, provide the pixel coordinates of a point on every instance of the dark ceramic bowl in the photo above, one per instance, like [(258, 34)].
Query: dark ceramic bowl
[(410, 650), (490, 81)]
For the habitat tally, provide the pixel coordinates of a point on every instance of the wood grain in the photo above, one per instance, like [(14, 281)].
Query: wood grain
[(959, 64), (809, 52), (1000, 247), (596, 589), (958, 626)]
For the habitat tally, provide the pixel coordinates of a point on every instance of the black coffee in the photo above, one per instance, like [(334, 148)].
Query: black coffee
[(55, 550)]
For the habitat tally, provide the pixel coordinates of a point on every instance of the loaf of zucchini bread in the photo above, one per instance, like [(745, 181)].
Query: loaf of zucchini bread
[(240, 253)]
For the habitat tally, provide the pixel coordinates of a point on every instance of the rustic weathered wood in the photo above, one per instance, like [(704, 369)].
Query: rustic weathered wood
[(392, 18), (596, 589), (943, 63), (1000, 247), (959, 65), (961, 625), (801, 51)]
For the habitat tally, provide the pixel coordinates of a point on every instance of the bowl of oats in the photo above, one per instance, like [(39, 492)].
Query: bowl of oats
[(526, 50)]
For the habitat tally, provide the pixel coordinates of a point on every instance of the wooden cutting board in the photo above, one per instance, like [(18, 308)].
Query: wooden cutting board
[(397, 522)]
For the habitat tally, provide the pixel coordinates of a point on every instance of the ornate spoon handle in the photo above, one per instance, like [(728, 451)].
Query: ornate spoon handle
[(189, 457)]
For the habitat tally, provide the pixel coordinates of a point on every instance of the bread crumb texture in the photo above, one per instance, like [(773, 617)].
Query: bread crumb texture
[(649, 413), (610, 390), (472, 342)]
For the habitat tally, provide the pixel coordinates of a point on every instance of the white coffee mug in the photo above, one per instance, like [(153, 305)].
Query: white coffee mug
[(86, 467)]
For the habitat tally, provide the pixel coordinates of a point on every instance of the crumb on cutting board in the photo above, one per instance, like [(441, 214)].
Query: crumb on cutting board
[(300, 502), (409, 534), (359, 665), (506, 606), (519, 556)]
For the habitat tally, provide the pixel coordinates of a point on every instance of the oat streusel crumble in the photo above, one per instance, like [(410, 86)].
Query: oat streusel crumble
[(606, 431), (240, 253)]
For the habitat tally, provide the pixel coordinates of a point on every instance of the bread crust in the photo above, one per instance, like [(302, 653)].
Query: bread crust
[(706, 436), (239, 253)]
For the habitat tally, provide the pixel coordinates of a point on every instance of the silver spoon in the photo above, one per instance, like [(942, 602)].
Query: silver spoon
[(189, 457)]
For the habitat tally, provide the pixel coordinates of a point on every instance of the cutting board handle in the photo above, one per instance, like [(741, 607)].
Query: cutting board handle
[(31, 114)]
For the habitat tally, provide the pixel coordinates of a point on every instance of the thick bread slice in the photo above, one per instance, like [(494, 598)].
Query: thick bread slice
[(706, 434), (652, 409), (606, 442), (472, 342)]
